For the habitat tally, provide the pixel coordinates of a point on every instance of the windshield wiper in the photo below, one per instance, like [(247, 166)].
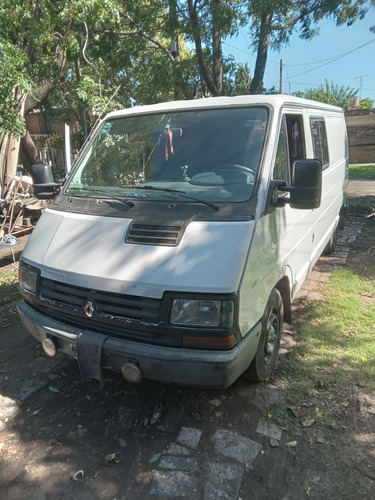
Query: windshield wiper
[(106, 198), (93, 190), (175, 191)]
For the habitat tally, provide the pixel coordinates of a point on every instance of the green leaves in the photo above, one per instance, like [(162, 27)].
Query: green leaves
[(330, 93)]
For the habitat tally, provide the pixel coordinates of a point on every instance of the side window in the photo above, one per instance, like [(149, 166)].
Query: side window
[(281, 168), (319, 140), (296, 138)]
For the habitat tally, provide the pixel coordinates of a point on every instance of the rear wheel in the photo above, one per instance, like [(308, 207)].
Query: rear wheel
[(269, 342)]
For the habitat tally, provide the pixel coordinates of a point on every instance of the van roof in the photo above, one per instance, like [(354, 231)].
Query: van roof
[(275, 101)]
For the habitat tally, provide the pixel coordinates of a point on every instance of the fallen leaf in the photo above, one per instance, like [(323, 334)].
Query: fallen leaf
[(291, 444), (122, 442), (274, 442), (215, 402), (155, 416), (110, 457), (308, 491), (35, 412), (296, 412), (88, 397), (308, 423), (345, 403), (53, 389)]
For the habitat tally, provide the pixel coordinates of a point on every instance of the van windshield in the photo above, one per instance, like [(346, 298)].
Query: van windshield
[(210, 155)]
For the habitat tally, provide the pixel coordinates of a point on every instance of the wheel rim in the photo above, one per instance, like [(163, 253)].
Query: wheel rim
[(271, 337)]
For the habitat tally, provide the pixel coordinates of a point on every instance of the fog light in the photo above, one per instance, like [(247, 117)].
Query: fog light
[(49, 347), (131, 372)]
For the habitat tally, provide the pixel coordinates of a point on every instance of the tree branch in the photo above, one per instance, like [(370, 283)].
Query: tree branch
[(148, 37)]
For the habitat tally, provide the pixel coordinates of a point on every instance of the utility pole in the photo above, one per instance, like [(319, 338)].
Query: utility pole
[(360, 77), (281, 75)]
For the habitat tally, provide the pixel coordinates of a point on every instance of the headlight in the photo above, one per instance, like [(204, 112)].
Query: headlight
[(209, 313), (28, 277)]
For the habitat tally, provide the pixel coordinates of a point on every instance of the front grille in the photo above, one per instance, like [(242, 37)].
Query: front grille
[(72, 300), (148, 234)]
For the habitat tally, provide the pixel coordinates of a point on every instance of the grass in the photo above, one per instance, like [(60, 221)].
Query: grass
[(9, 294), (336, 341), (361, 171)]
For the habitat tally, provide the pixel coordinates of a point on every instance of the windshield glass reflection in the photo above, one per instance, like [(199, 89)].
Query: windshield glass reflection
[(210, 155)]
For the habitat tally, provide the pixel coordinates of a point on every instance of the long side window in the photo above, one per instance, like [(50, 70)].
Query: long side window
[(319, 140)]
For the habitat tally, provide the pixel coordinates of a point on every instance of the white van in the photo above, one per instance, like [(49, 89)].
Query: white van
[(177, 243)]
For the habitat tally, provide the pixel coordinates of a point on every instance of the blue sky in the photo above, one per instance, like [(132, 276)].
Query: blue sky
[(305, 62)]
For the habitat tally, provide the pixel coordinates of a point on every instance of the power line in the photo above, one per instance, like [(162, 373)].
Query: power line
[(247, 52), (333, 60)]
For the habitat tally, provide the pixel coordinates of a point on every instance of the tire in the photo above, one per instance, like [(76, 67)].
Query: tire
[(269, 342), (331, 245)]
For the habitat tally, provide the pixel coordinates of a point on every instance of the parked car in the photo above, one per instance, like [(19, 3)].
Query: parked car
[(175, 247)]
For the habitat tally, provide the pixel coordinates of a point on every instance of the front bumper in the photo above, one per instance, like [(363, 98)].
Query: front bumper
[(192, 367)]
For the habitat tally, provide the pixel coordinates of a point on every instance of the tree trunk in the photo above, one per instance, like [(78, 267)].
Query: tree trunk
[(217, 54), (28, 155), (209, 82), (256, 86)]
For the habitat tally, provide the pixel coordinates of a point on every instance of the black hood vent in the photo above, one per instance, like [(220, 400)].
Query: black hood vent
[(148, 234)]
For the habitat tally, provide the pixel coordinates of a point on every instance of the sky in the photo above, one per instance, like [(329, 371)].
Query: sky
[(306, 64)]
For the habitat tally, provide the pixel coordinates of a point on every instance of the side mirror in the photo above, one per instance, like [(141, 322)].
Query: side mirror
[(306, 189), (43, 184)]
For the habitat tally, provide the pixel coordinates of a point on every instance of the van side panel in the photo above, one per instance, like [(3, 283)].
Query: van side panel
[(334, 185), (287, 242)]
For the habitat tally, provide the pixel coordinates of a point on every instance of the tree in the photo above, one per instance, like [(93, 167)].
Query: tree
[(367, 103), (329, 93), (273, 21)]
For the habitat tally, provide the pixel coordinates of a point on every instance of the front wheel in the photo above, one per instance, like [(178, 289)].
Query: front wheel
[(269, 342)]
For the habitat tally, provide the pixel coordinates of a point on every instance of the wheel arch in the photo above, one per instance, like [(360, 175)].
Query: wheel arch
[(283, 286)]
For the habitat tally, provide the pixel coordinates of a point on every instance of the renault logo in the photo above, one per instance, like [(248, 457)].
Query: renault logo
[(89, 309)]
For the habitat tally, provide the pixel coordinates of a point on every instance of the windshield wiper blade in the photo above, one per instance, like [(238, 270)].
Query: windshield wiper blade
[(93, 190), (181, 193), (121, 200), (107, 198)]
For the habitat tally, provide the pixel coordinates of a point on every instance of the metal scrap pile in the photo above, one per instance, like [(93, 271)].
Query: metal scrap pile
[(19, 210)]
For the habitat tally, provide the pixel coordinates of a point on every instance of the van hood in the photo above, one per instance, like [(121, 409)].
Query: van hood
[(91, 252)]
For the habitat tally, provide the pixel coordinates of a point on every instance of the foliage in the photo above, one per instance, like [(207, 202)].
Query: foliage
[(86, 56), (9, 295), (329, 93), (14, 83), (362, 171), (367, 103)]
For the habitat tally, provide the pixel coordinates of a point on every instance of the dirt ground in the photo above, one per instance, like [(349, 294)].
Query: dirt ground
[(65, 439)]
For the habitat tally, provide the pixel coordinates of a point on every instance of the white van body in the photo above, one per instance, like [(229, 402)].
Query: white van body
[(185, 277)]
